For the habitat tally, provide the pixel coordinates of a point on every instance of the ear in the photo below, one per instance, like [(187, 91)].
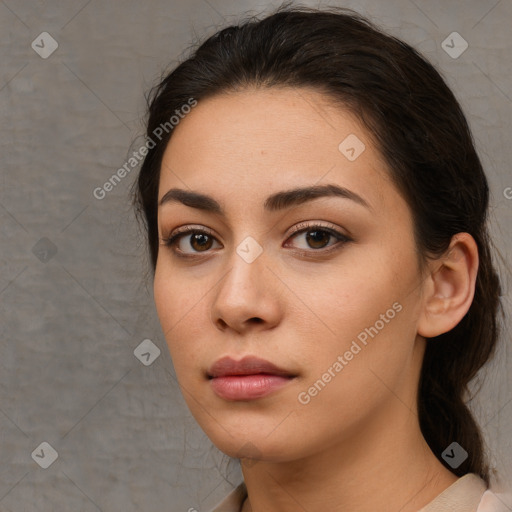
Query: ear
[(450, 287)]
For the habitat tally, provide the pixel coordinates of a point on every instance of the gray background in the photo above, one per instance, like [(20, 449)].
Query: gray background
[(74, 302)]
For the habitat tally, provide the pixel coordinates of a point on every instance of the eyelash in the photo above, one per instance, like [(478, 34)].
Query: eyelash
[(298, 229)]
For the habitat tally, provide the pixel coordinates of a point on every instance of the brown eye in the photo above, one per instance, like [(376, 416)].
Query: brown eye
[(317, 239), (190, 241), (200, 242)]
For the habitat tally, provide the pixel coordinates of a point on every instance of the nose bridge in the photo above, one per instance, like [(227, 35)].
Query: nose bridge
[(245, 292), (247, 267)]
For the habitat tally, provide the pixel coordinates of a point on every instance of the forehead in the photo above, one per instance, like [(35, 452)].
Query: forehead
[(285, 120), (255, 141)]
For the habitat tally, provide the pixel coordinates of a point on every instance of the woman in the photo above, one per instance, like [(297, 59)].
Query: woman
[(316, 221)]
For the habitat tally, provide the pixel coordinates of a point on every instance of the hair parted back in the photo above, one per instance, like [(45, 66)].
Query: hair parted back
[(417, 125)]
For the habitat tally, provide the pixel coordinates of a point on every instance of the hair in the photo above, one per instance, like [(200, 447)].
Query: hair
[(419, 128)]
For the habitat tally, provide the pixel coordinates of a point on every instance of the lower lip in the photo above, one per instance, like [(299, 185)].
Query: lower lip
[(247, 387)]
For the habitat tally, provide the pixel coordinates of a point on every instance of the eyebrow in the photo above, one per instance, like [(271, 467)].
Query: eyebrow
[(274, 202)]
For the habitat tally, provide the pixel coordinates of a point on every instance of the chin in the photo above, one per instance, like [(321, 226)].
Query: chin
[(254, 445)]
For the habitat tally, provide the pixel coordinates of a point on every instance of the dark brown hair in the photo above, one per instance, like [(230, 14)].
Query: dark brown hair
[(419, 128)]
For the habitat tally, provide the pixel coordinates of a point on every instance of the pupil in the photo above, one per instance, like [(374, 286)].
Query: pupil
[(201, 240), (317, 238)]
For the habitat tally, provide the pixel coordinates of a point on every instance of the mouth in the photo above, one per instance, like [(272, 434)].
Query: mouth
[(249, 365), (248, 379)]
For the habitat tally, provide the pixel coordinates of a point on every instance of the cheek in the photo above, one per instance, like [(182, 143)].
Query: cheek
[(376, 355), (177, 303), (371, 301), (343, 302)]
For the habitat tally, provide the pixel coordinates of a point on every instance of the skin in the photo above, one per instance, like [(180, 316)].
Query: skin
[(357, 445)]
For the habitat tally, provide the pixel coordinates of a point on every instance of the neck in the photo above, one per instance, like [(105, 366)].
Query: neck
[(386, 466)]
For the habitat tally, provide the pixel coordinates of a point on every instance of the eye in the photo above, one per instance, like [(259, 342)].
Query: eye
[(199, 240), (190, 241), (317, 237)]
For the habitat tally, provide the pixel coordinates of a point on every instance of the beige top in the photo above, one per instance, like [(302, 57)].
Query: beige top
[(468, 494)]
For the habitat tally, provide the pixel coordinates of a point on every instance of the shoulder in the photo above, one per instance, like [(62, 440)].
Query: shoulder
[(464, 495), (494, 502)]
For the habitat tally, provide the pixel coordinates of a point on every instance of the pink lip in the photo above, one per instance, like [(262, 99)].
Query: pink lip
[(247, 379)]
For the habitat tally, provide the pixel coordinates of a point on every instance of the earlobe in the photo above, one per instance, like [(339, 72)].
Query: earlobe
[(450, 287)]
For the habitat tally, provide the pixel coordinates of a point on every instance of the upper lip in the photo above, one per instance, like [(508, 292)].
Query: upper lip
[(249, 365)]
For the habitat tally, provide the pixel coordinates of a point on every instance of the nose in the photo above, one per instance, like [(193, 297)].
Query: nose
[(247, 296)]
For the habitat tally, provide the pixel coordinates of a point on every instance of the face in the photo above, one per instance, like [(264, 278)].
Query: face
[(325, 286)]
